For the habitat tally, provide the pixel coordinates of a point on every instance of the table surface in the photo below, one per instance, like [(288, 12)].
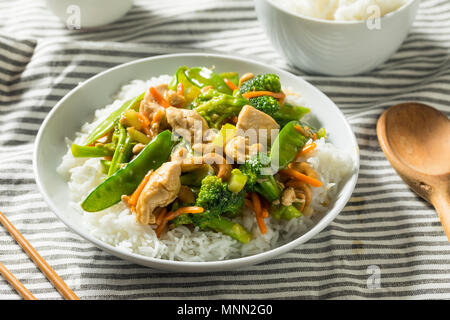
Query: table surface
[(385, 233)]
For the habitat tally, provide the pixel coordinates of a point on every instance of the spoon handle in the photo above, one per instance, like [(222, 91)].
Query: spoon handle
[(441, 203)]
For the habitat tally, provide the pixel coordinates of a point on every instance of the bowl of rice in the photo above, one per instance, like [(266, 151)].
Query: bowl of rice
[(337, 37), (65, 180)]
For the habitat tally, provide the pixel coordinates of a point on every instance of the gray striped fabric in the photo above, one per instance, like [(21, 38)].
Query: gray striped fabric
[(385, 227)]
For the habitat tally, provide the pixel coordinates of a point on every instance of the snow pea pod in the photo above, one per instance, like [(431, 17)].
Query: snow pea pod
[(203, 77), (191, 91), (287, 144), (127, 179), (108, 124), (91, 152)]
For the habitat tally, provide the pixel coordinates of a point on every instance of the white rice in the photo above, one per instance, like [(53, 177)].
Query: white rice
[(342, 10), (117, 225)]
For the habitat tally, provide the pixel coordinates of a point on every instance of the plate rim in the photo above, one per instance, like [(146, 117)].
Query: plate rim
[(190, 266)]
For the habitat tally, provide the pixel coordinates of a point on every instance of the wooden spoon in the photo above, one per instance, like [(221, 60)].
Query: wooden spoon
[(416, 140)]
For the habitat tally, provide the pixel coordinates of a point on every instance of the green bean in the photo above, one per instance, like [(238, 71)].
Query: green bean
[(230, 228), (108, 124), (122, 152), (127, 179), (91, 152)]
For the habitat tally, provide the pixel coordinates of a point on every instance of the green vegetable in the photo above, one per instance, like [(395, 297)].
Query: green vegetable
[(123, 151), (109, 123), (321, 133), (105, 165), (194, 178), (262, 82), (232, 76), (287, 144), (237, 181), (137, 136), (284, 212), (288, 113), (127, 179), (216, 199), (203, 77), (130, 118), (92, 152), (191, 91), (226, 133), (215, 107), (230, 228), (266, 104), (260, 177)]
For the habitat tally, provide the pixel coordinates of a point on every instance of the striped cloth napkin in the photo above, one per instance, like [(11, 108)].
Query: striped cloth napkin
[(387, 242)]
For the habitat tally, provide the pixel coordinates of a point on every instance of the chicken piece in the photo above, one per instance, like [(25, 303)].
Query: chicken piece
[(204, 148), (221, 166), (262, 123), (239, 149), (187, 123), (161, 189), (288, 197), (149, 106), (174, 99)]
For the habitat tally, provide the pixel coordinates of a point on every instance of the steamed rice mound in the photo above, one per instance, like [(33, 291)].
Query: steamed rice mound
[(117, 225)]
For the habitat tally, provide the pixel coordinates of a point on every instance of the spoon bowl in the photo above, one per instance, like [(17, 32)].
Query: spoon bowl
[(416, 140)]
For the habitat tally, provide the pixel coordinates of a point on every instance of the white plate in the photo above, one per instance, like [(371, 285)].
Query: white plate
[(79, 105)]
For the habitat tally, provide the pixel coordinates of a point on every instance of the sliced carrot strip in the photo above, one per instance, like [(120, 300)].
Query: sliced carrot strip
[(254, 94), (306, 149), (301, 177), (301, 130), (261, 224), (156, 118), (258, 212), (230, 84), (256, 203), (160, 99), (160, 216), (265, 208), (145, 123), (135, 196), (144, 120), (234, 120), (180, 211), (162, 225)]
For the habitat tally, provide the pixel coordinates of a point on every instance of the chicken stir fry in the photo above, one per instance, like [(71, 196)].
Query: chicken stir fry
[(202, 149)]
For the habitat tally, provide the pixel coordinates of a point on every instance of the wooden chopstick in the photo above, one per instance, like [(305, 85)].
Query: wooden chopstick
[(16, 284), (51, 275)]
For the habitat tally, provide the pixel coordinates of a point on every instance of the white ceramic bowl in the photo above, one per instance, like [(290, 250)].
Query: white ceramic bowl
[(89, 13), (338, 48), (79, 105)]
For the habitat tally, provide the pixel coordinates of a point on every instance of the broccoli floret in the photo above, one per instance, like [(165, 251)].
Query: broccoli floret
[(260, 177), (215, 107), (216, 199), (263, 82), (266, 104)]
